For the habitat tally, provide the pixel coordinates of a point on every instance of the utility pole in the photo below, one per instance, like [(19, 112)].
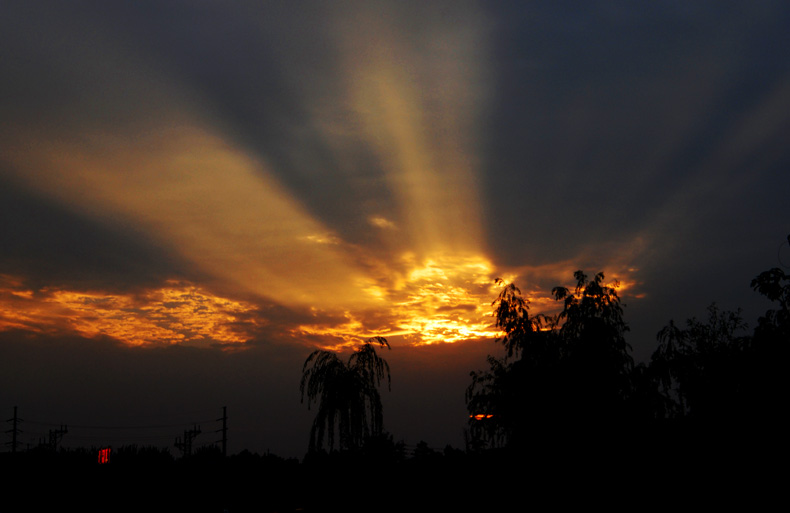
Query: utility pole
[(185, 445), (56, 435), (14, 431), (224, 430)]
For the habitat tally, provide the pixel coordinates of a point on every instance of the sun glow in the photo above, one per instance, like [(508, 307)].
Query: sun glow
[(206, 191), (206, 200), (175, 171), (446, 298)]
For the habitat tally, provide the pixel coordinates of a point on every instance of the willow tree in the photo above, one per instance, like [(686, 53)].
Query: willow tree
[(346, 394)]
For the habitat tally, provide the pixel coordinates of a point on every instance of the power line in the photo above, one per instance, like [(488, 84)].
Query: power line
[(157, 426), (115, 433)]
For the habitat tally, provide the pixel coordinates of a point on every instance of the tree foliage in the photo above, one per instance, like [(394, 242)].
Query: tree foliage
[(571, 368), (714, 375), (713, 371), (774, 284), (592, 336), (346, 394), (697, 366), (511, 311), (711, 391), (769, 349), (490, 407)]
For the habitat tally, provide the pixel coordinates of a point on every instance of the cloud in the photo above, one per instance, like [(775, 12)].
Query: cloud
[(178, 313), (381, 222), (52, 245)]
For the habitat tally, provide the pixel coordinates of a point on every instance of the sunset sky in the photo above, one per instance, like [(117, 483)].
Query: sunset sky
[(196, 195)]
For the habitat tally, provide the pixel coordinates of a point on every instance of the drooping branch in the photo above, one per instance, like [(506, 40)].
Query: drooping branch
[(346, 393)]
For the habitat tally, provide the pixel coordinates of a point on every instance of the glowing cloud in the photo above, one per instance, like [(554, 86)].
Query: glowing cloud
[(381, 222), (443, 299), (178, 313), (205, 199)]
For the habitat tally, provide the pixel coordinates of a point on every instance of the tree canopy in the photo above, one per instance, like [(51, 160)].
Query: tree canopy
[(346, 394), (569, 369), (695, 366), (570, 378)]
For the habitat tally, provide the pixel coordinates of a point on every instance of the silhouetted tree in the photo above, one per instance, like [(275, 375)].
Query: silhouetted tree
[(724, 389), (346, 394), (700, 367), (774, 284), (599, 364), (769, 352), (423, 452), (511, 310), (491, 403), (572, 372), (496, 398)]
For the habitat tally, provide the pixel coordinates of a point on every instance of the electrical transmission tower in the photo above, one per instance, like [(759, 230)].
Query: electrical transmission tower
[(185, 444), (15, 420), (224, 431), (56, 435)]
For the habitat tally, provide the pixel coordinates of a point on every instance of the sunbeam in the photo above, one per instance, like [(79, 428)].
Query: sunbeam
[(168, 161)]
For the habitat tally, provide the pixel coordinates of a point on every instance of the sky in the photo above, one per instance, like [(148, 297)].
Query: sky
[(196, 195)]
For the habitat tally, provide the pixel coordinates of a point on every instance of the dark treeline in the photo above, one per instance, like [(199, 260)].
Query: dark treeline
[(140, 478), (378, 475), (569, 380), (705, 413), (565, 416)]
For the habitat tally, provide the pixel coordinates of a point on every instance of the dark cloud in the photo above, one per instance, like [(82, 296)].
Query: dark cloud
[(45, 244), (606, 115)]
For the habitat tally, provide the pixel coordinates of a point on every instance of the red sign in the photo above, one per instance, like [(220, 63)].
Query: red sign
[(104, 455)]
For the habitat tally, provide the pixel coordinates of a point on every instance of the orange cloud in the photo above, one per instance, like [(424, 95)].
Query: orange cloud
[(206, 200), (446, 298), (177, 313)]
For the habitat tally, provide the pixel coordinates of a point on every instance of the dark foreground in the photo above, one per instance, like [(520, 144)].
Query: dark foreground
[(701, 470)]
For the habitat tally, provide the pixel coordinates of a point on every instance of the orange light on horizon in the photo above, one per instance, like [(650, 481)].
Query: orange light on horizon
[(481, 416)]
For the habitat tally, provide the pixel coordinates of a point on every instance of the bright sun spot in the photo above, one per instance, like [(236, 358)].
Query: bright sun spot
[(445, 298)]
